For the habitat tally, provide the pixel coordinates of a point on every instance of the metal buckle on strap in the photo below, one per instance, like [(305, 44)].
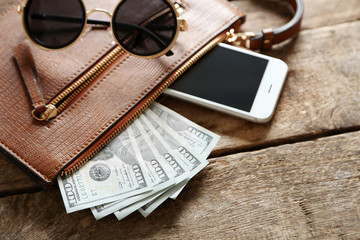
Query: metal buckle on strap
[(241, 39)]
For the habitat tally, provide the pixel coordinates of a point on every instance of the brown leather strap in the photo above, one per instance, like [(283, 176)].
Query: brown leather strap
[(268, 37), (29, 73)]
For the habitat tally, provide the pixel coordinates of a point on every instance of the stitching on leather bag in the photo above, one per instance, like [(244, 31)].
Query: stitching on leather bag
[(71, 78), (7, 11), (96, 57), (29, 165), (70, 109)]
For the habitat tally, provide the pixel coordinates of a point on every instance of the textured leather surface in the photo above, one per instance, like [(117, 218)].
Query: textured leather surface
[(46, 147)]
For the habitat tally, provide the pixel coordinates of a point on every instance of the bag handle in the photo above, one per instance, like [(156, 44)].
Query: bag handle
[(265, 39)]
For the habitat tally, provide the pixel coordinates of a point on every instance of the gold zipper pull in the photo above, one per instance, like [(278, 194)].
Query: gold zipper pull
[(29, 73), (49, 113)]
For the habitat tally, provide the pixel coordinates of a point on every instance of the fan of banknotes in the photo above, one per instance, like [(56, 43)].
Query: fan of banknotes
[(150, 161)]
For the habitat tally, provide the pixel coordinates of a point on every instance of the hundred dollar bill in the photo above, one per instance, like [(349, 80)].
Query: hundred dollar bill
[(151, 205), (162, 146), (193, 159), (114, 173), (187, 154), (124, 212), (159, 172), (159, 145), (201, 139)]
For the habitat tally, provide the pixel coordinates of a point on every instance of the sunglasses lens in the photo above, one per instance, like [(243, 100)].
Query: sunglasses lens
[(52, 23), (145, 28)]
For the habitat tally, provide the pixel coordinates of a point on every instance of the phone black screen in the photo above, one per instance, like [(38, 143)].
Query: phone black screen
[(224, 76)]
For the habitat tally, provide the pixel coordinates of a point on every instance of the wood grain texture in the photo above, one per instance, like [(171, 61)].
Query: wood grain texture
[(296, 191), (13, 180), (264, 13)]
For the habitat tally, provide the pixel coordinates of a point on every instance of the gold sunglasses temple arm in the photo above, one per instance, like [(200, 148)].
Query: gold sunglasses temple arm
[(60, 18)]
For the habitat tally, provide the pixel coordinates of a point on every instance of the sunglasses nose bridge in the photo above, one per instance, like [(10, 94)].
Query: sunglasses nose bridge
[(88, 13), (104, 23)]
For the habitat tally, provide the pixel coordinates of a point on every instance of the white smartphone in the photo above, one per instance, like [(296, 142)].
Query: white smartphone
[(235, 81)]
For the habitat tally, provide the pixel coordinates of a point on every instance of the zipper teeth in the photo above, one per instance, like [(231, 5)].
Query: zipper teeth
[(168, 82), (156, 16), (148, 21), (72, 91)]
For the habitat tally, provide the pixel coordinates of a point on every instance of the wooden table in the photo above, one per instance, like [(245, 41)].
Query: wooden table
[(297, 176)]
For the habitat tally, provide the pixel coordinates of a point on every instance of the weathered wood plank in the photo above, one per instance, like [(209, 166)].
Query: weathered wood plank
[(303, 190), (13, 180), (275, 13)]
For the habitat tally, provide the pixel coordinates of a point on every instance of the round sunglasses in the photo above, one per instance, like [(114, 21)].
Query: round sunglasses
[(146, 28)]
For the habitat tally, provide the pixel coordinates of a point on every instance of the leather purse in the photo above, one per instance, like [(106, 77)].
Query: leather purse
[(90, 91)]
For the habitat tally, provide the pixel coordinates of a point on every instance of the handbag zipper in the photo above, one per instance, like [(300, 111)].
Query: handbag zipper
[(61, 101), (144, 104)]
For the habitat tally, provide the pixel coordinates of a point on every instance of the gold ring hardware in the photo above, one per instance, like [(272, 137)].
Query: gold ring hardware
[(20, 9), (179, 7), (183, 24), (239, 39), (49, 113)]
